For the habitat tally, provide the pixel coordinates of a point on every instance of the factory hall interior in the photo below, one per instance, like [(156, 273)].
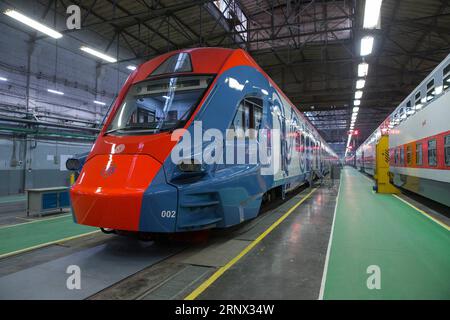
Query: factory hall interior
[(227, 150)]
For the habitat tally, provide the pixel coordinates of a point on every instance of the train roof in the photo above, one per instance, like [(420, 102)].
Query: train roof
[(377, 132), (214, 60)]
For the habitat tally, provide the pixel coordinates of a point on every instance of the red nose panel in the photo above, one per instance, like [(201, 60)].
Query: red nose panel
[(109, 191)]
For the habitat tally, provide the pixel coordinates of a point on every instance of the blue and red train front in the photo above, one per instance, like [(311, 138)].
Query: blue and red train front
[(124, 183)]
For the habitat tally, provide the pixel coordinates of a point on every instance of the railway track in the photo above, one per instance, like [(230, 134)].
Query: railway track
[(113, 267)]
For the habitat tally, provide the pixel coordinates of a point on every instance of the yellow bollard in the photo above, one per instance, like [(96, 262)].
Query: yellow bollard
[(383, 185)]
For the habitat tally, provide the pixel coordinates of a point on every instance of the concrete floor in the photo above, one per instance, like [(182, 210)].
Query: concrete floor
[(288, 263)]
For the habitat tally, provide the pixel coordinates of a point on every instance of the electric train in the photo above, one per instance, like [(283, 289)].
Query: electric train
[(419, 139), (129, 181)]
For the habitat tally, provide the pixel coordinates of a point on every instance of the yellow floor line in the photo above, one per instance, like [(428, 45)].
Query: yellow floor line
[(33, 221), (424, 213), (199, 290), (46, 244)]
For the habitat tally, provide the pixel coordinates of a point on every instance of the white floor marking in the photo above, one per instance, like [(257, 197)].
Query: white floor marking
[(327, 258)]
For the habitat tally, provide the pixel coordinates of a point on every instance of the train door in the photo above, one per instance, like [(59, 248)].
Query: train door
[(308, 153), (276, 129), (319, 156)]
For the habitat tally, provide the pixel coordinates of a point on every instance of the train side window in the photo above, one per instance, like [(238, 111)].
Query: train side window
[(408, 155), (432, 157), (248, 116), (446, 77), (409, 109), (396, 156), (302, 143), (447, 150), (239, 121), (402, 156), (419, 154), (402, 114), (417, 102), (430, 90)]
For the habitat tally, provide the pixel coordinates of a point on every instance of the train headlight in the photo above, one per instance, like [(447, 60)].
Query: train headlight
[(73, 164), (190, 165)]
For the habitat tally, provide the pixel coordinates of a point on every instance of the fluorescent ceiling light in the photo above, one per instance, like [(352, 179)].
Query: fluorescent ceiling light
[(358, 95), (3, 79), (360, 84), (366, 46), (357, 102), (356, 109), (99, 103), (55, 92), (33, 23), (98, 54), (363, 69), (132, 68), (372, 14)]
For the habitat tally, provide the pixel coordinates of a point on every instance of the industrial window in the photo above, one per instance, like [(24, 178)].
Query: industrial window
[(417, 102), (430, 90), (447, 150), (432, 157), (248, 116), (180, 62), (402, 156), (446, 77), (419, 154), (408, 155)]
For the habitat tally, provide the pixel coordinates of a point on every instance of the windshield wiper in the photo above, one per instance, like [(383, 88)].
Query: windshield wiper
[(134, 128)]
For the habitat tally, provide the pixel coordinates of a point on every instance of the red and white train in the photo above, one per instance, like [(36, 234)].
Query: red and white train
[(419, 139)]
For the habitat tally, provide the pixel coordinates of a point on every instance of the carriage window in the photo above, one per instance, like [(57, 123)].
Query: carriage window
[(419, 154), (248, 116), (402, 114), (408, 155), (402, 156), (302, 143), (307, 145), (430, 90), (432, 157), (417, 102), (446, 77), (409, 109), (447, 150), (396, 156), (239, 118)]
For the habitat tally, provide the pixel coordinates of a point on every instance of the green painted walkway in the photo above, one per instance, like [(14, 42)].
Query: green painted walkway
[(412, 252), (21, 237)]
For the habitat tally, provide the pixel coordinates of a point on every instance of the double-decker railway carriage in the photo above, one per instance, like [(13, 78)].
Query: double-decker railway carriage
[(130, 182), (419, 139)]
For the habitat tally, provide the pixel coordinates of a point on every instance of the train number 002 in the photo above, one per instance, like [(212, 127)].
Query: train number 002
[(168, 214)]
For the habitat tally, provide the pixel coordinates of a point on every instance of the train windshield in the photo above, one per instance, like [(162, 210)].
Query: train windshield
[(154, 106)]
